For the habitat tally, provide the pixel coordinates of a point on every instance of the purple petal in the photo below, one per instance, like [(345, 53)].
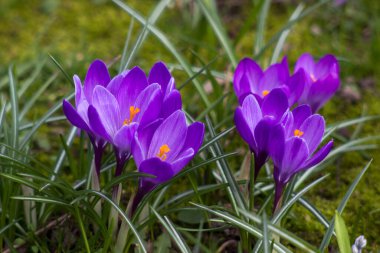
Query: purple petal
[(154, 166), (296, 86), (172, 103), (108, 109), (123, 138), (288, 123), (275, 104), (246, 77), (160, 74), (79, 96), (194, 136), (300, 114), (305, 62), (132, 85), (172, 132), (149, 102), (244, 129), (321, 91), (97, 74), (276, 145), (115, 85), (73, 116), (326, 65), (274, 77), (170, 87), (142, 140), (251, 111), (313, 129), (96, 124), (295, 155), (182, 160), (263, 133), (319, 156)]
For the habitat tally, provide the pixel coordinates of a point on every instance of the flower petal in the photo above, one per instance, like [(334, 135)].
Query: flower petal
[(142, 139), (154, 166), (295, 155), (246, 77), (194, 136), (123, 138), (325, 66), (132, 85), (305, 62), (296, 86), (276, 145), (149, 102), (172, 132), (274, 77), (172, 103), (96, 124), (275, 104), (313, 128), (321, 91), (97, 74), (182, 160), (160, 74), (79, 94), (245, 131), (318, 156), (73, 116), (108, 109), (300, 114)]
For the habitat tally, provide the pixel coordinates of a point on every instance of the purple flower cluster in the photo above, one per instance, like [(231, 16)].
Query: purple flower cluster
[(266, 121), (139, 116)]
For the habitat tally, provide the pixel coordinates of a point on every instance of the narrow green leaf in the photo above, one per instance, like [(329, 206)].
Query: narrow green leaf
[(342, 234), (219, 30), (14, 107), (342, 205)]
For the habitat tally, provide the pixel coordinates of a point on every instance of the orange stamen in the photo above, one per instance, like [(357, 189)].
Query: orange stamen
[(298, 133), (265, 92), (133, 111), (162, 153)]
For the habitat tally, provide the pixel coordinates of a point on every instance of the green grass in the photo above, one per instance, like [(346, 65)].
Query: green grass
[(188, 38)]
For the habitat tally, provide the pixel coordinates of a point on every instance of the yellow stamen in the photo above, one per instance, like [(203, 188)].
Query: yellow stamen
[(265, 92), (313, 78), (298, 133), (133, 111), (162, 153)]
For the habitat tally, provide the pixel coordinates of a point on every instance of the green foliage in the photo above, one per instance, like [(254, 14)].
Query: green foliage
[(45, 168)]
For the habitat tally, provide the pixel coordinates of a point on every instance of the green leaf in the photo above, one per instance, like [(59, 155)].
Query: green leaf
[(342, 234)]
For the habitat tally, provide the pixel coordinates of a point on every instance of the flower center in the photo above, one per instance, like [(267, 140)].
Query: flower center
[(162, 153), (133, 111), (298, 133), (313, 78), (265, 92)]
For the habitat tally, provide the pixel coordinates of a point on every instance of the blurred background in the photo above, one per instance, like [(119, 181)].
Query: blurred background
[(76, 32)]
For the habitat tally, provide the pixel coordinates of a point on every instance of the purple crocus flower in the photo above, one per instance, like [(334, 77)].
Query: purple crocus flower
[(322, 79), (249, 78), (112, 110), (254, 122), (293, 146), (97, 75), (163, 148)]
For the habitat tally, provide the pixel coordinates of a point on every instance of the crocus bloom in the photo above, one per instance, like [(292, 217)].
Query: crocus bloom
[(293, 145), (249, 78), (163, 148), (253, 122), (97, 75), (322, 79)]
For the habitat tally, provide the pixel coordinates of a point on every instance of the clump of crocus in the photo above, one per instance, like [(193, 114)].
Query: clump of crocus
[(254, 122), (293, 146), (322, 79), (249, 78), (112, 110), (163, 149)]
